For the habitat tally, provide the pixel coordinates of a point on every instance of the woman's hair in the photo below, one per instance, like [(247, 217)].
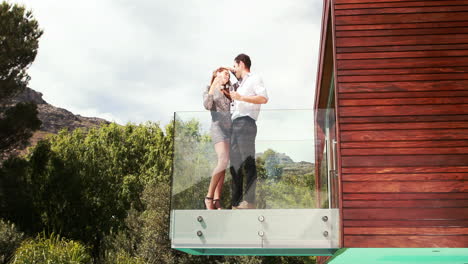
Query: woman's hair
[(225, 91)]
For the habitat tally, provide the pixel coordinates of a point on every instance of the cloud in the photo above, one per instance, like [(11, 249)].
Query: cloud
[(142, 60)]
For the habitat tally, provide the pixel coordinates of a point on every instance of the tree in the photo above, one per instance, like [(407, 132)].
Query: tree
[(19, 42), (82, 185), (273, 167), (10, 239)]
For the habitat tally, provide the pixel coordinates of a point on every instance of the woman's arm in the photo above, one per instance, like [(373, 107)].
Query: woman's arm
[(208, 99)]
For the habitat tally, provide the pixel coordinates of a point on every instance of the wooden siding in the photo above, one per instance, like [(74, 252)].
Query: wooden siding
[(402, 83)]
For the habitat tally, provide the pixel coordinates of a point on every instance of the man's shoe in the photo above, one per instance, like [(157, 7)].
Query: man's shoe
[(245, 205)]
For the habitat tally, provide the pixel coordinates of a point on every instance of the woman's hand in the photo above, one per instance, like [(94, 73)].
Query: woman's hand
[(216, 83)]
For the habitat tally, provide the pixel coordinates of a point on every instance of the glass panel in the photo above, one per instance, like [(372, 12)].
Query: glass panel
[(327, 180), (288, 205)]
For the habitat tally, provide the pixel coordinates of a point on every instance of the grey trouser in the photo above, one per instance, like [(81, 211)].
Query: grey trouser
[(242, 155)]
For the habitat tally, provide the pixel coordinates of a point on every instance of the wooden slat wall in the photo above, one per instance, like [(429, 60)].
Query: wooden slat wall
[(402, 84)]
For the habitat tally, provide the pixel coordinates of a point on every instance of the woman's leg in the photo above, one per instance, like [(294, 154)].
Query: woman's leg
[(217, 178), (222, 164)]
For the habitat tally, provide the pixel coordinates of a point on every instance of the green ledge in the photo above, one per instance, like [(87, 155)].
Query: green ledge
[(259, 251), (400, 256)]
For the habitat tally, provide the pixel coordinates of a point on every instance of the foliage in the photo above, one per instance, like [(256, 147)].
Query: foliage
[(121, 257), (17, 126), (110, 188), (10, 238), (284, 185), (81, 185), (19, 42), (194, 160), (272, 165), (51, 250)]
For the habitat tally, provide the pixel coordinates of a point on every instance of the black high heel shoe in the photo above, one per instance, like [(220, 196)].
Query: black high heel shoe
[(217, 204), (209, 199)]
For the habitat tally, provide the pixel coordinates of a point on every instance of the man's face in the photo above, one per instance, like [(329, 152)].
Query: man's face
[(237, 69)]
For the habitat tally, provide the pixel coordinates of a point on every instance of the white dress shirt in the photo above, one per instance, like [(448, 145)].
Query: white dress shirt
[(251, 85)]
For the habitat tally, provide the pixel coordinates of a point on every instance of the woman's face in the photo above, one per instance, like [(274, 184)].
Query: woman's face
[(224, 76)]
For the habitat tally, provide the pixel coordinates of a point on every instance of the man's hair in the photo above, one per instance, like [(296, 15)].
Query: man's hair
[(245, 59)]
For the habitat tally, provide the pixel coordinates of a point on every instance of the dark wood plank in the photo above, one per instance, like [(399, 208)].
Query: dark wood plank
[(421, 169), (405, 231), (399, 18), (404, 78), (405, 25), (398, 119), (338, 2), (404, 110), (404, 126), (402, 48), (401, 10), (408, 86), (405, 241), (322, 259), (396, 95), (404, 196), (416, 186), (401, 40), (406, 177), (402, 63), (402, 32), (400, 4), (404, 144), (403, 223), (404, 101), (404, 160), (368, 72), (407, 204), (403, 151), (406, 214), (402, 54)]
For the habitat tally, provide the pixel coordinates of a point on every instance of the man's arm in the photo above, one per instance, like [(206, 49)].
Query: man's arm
[(255, 99)]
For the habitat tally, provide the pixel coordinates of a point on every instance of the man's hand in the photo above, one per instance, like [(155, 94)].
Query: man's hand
[(236, 96), (231, 69)]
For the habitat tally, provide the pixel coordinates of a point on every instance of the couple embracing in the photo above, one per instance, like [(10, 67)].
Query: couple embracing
[(234, 111)]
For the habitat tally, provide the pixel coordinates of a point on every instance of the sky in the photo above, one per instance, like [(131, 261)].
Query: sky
[(143, 60)]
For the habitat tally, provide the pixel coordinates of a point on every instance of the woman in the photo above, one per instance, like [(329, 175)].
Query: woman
[(217, 99)]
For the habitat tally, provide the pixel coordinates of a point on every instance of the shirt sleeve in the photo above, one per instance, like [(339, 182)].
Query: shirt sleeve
[(207, 100), (259, 88)]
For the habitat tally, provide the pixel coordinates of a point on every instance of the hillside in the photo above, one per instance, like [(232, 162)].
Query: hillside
[(53, 118)]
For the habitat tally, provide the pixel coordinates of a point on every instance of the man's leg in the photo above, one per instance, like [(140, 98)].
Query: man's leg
[(247, 154), (235, 168)]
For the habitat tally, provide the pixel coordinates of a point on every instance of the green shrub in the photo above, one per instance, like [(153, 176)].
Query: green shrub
[(51, 250), (10, 238), (122, 257)]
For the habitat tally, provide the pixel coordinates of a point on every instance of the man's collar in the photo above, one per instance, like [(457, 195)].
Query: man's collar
[(247, 75)]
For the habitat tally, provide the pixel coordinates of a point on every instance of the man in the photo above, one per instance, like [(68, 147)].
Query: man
[(249, 95)]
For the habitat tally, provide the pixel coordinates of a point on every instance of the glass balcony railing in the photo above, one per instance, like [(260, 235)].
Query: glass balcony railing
[(292, 196)]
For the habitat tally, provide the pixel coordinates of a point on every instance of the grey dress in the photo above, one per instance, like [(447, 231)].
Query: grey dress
[(220, 107)]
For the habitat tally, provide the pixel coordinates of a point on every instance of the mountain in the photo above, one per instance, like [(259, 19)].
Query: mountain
[(274, 159), (53, 118)]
